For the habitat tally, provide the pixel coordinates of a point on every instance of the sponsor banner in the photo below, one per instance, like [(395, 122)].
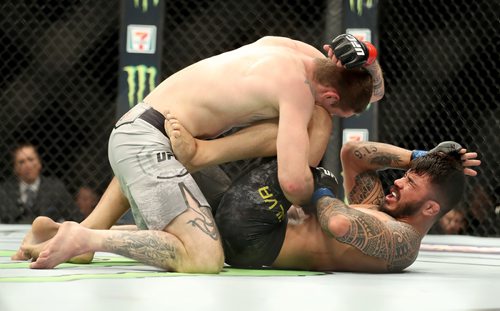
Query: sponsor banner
[(141, 80), (362, 34), (140, 51), (354, 135), (141, 39)]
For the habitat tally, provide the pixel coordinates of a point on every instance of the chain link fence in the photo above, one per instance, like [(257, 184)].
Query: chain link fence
[(58, 86), (59, 75), (441, 65), (60, 68), (198, 29)]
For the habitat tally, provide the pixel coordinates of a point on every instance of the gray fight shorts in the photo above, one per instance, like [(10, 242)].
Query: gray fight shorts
[(150, 176)]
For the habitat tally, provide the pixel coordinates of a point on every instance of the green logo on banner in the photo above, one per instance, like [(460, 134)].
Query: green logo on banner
[(140, 79), (357, 5), (144, 4)]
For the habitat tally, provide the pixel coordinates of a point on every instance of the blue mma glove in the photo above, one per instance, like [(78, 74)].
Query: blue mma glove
[(325, 184), (447, 147)]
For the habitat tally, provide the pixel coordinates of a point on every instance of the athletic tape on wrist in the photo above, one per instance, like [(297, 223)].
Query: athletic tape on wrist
[(321, 192), (418, 153)]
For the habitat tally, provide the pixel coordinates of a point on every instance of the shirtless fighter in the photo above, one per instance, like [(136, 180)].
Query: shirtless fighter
[(271, 77), (374, 233)]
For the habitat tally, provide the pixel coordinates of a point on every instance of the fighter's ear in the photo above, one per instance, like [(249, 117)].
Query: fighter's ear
[(431, 208), (332, 95)]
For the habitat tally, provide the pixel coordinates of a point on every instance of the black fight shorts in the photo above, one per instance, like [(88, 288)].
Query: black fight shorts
[(252, 218)]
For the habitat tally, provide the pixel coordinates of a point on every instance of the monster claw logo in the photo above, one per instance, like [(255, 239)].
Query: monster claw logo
[(357, 5), (144, 4), (140, 79)]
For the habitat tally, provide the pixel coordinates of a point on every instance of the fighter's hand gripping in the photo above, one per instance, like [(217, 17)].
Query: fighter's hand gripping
[(325, 184), (352, 52), (469, 159)]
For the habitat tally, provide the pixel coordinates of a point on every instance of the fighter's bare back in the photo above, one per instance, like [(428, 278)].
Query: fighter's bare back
[(235, 88)]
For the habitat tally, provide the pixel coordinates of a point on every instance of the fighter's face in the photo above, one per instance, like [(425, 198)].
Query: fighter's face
[(407, 195), (27, 165)]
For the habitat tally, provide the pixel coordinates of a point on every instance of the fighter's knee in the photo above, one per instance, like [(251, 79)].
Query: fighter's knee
[(321, 116), (203, 261), (215, 263)]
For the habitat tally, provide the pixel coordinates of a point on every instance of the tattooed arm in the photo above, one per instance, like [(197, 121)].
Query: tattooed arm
[(378, 81), (396, 243), (361, 161)]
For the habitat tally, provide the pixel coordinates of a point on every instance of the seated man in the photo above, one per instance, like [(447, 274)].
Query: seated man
[(29, 193)]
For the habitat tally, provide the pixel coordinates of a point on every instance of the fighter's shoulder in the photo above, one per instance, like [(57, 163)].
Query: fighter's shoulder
[(275, 40), (278, 49), (285, 66), (372, 209), (405, 244)]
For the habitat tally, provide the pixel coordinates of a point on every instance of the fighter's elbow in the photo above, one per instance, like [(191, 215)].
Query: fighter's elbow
[(296, 190), (293, 188), (347, 150), (338, 226)]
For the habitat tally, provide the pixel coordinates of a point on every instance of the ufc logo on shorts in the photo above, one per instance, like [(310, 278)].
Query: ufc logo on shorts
[(162, 156), (355, 44)]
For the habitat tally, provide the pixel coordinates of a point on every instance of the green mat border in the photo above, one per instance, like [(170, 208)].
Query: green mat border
[(102, 261)]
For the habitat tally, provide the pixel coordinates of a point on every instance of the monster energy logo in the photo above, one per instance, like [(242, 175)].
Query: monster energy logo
[(357, 5), (144, 76), (144, 4)]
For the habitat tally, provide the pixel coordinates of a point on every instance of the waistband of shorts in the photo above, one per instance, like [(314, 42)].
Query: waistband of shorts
[(155, 118)]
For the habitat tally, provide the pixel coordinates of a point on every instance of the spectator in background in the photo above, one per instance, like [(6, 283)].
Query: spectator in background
[(86, 199), (28, 194), (481, 216), (452, 222)]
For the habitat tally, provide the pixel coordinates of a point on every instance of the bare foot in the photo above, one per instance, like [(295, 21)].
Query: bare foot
[(183, 143), (70, 241), (42, 230)]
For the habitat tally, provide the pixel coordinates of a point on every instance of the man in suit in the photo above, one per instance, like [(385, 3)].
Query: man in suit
[(29, 194)]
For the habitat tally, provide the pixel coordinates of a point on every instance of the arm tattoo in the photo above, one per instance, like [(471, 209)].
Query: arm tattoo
[(367, 189), (378, 159), (325, 210), (385, 160), (377, 87), (394, 242), (205, 222), (153, 248), (377, 80)]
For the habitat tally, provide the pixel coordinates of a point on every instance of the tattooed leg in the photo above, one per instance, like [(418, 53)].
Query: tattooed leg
[(155, 248), (205, 222), (190, 243)]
